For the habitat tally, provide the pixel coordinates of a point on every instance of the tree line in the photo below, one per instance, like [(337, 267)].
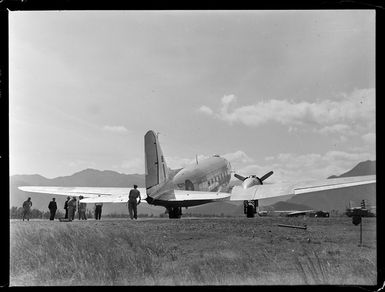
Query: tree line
[(17, 213)]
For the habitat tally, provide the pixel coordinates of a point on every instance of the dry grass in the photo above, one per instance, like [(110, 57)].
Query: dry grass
[(227, 251)]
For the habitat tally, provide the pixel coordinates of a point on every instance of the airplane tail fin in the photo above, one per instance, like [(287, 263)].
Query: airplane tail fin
[(156, 170)]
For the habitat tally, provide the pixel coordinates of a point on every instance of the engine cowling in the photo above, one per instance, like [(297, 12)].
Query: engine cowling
[(252, 180)]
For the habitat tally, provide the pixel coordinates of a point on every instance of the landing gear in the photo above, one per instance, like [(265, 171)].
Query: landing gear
[(174, 212), (250, 208)]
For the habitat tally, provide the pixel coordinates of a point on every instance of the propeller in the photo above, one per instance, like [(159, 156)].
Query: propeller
[(266, 176), (240, 177), (252, 180)]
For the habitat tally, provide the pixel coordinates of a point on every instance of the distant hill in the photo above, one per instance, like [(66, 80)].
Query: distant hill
[(85, 178), (363, 168)]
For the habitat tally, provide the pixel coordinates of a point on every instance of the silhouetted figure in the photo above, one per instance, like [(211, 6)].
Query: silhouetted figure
[(98, 210), (82, 207), (52, 206), (27, 209), (71, 209), (133, 202), (66, 207)]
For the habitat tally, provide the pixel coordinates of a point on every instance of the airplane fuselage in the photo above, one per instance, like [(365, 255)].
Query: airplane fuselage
[(211, 174)]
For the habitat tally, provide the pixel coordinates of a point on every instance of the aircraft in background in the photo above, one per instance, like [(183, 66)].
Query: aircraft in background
[(200, 183), (363, 210)]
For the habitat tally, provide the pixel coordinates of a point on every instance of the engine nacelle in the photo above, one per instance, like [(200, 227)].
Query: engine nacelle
[(251, 181)]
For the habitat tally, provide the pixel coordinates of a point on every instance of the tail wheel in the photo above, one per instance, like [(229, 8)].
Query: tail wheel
[(250, 211)]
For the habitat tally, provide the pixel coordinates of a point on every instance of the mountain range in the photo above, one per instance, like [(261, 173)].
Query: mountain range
[(335, 199)]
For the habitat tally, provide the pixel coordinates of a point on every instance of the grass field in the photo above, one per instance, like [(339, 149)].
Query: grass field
[(223, 251)]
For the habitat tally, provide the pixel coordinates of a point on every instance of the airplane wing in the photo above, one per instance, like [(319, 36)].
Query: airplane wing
[(120, 195), (191, 196), (90, 194), (258, 192)]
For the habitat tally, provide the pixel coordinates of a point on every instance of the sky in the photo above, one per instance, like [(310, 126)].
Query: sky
[(288, 91)]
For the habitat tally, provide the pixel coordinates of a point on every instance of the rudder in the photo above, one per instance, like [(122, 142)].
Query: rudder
[(156, 169)]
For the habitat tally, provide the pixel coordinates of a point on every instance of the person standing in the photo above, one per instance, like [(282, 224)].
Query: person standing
[(82, 209), (71, 209), (52, 206), (133, 202), (98, 210), (66, 207), (27, 208), (74, 204), (79, 214)]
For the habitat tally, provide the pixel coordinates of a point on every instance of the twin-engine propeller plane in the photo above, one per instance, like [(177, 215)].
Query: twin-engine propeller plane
[(201, 183)]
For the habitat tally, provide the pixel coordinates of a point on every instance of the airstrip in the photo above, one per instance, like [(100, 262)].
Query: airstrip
[(200, 251)]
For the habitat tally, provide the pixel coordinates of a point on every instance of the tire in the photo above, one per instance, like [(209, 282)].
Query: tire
[(250, 211), (175, 213)]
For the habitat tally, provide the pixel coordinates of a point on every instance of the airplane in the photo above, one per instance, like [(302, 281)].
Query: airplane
[(204, 182)]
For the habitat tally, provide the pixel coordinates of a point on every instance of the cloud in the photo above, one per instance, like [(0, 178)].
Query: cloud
[(238, 156), (342, 113), (115, 129), (206, 110), (369, 138), (336, 129)]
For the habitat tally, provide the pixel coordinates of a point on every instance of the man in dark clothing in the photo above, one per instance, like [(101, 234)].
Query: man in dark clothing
[(52, 208), (98, 210), (66, 207), (133, 202), (27, 208)]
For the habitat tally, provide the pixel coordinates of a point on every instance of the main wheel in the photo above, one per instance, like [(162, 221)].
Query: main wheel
[(250, 211), (175, 213)]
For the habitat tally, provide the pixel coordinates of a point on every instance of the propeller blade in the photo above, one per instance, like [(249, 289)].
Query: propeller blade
[(266, 175), (240, 177)]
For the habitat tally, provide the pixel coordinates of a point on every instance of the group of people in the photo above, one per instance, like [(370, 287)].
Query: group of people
[(71, 205)]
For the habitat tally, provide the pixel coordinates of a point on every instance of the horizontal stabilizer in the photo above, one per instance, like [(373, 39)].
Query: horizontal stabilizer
[(97, 194)]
